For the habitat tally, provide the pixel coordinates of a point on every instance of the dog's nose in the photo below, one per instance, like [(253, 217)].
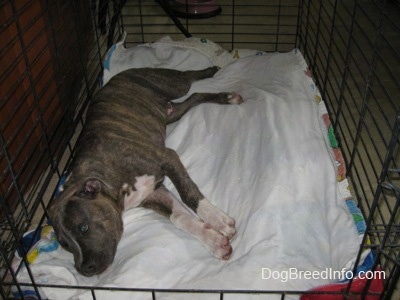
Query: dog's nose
[(88, 268)]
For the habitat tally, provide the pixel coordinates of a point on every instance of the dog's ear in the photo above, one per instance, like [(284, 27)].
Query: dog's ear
[(90, 189)]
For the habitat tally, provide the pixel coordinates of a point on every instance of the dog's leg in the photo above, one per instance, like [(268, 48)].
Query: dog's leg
[(172, 84), (192, 76), (165, 203), (177, 110), (193, 198)]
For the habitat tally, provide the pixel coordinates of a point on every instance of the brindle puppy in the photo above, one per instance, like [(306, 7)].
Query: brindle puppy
[(121, 161)]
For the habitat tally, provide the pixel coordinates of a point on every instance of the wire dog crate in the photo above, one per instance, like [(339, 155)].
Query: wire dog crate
[(51, 56)]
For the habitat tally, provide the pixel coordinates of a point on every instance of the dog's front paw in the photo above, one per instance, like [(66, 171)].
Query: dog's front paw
[(216, 243), (219, 220)]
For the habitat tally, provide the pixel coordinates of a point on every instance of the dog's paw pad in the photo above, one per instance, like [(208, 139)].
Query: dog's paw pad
[(234, 98)]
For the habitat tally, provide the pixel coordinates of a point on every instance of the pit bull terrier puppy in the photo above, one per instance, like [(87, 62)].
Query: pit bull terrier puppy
[(121, 161)]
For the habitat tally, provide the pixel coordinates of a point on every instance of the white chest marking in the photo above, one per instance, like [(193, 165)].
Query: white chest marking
[(144, 186)]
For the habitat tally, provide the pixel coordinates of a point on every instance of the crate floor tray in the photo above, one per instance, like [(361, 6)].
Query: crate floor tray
[(270, 163)]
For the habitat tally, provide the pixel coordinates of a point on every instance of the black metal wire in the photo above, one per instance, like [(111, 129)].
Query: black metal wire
[(346, 59)]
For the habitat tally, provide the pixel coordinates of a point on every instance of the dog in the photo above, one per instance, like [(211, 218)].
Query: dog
[(121, 161)]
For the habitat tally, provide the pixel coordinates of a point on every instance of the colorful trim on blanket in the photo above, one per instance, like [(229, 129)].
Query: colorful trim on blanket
[(36, 242), (334, 291), (42, 240)]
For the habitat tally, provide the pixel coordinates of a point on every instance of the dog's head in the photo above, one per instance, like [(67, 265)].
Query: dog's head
[(88, 223)]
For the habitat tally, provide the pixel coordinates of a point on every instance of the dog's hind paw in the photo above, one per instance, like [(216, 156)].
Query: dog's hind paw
[(234, 98)]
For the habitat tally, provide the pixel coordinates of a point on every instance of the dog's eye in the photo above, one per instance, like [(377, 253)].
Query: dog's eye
[(83, 228)]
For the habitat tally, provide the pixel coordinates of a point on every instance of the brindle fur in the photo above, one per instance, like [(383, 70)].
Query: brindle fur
[(124, 138)]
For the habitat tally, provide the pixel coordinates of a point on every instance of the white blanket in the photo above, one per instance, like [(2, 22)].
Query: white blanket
[(268, 163)]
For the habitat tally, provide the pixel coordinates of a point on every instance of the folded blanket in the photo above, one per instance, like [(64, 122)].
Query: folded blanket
[(272, 163)]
